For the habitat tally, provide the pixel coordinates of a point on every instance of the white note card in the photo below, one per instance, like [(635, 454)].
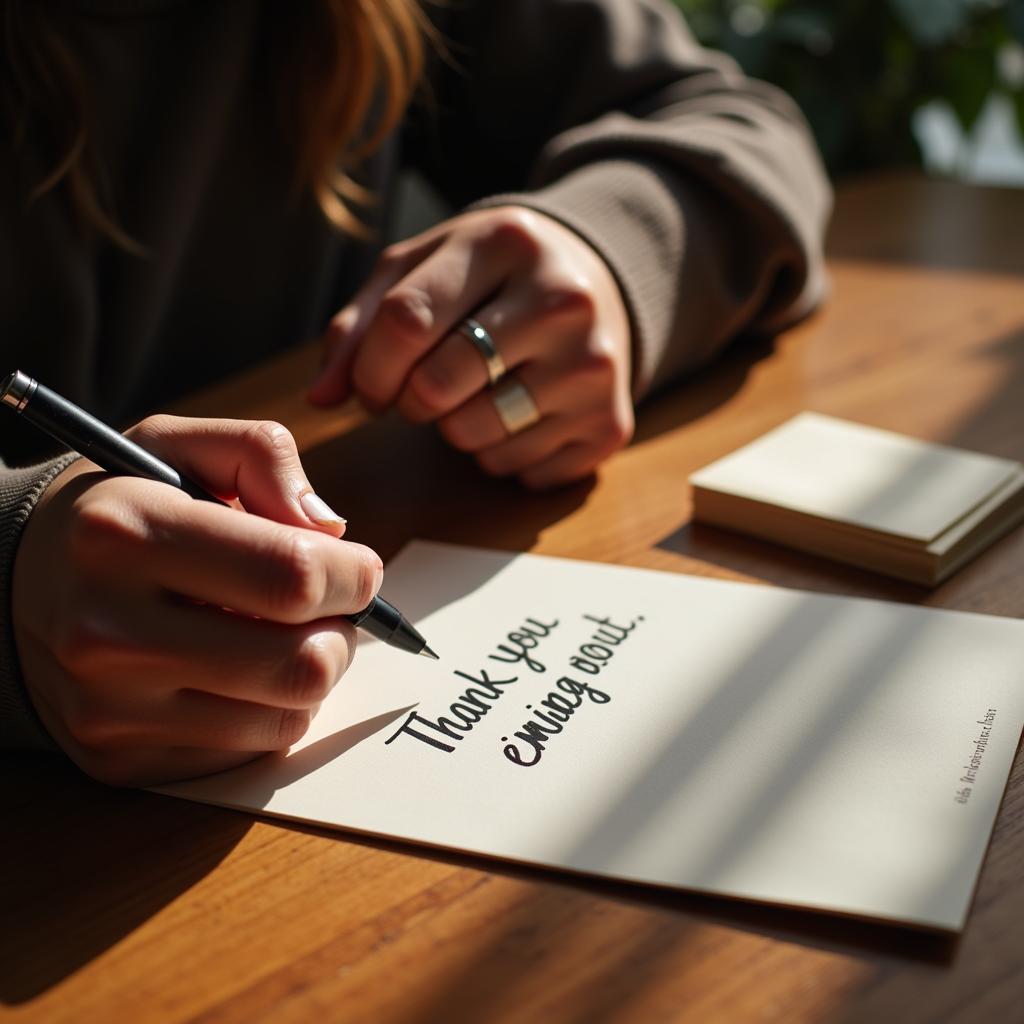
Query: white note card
[(828, 753)]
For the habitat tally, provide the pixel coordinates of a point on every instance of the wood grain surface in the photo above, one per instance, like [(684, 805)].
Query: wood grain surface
[(127, 906)]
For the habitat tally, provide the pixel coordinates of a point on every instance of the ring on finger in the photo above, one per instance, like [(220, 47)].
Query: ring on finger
[(484, 344), (514, 405)]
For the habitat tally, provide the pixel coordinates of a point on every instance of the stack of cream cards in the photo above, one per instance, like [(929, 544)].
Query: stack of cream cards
[(878, 500)]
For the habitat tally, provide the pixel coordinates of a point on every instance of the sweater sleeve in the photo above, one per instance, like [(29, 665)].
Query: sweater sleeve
[(701, 188), (20, 489)]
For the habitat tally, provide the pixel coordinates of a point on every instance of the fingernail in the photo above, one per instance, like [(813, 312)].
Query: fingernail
[(319, 511), (378, 576)]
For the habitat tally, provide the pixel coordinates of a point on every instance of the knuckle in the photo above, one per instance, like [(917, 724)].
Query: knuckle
[(159, 425), (296, 580), (598, 361), (407, 311), (312, 672), (286, 727), (102, 529), (271, 439), (572, 300), (516, 230), (431, 386)]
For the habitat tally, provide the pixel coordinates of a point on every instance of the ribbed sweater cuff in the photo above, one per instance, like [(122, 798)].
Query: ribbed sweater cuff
[(20, 490)]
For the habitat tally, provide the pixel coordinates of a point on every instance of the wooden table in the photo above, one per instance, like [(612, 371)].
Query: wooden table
[(129, 906)]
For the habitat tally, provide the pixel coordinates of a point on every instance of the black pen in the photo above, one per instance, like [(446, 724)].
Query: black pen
[(115, 453)]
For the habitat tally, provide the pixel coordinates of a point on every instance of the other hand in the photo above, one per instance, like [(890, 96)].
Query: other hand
[(554, 312)]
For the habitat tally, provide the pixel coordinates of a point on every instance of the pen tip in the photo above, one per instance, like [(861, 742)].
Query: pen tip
[(429, 653)]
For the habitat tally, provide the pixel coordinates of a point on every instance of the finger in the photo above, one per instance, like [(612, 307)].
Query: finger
[(224, 557), (531, 446), (476, 425), (347, 327), (96, 745), (176, 645), (256, 461), (444, 379), (425, 306), (205, 720), (262, 662), (189, 718), (525, 322), (123, 740), (133, 732), (260, 568)]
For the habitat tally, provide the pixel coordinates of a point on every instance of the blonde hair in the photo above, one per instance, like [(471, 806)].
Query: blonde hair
[(345, 63)]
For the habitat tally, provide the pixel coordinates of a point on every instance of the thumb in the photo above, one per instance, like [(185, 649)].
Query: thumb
[(255, 461)]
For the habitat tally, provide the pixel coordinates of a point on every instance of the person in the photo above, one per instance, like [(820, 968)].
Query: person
[(190, 188)]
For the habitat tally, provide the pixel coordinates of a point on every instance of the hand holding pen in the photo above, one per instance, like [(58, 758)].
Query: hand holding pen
[(162, 637)]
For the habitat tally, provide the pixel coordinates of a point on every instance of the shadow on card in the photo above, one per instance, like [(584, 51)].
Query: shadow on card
[(254, 784)]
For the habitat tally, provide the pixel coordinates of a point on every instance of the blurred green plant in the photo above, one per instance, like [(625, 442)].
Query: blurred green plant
[(861, 68)]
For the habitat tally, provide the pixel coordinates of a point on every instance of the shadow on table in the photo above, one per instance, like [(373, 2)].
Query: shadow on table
[(705, 390), (83, 865), (395, 481)]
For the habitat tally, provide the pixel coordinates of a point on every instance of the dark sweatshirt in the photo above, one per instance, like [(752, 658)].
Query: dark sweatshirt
[(700, 188)]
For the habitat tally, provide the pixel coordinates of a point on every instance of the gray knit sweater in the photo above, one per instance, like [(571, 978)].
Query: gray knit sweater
[(700, 188)]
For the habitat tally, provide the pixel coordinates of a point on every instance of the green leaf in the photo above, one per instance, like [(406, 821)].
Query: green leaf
[(932, 22)]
